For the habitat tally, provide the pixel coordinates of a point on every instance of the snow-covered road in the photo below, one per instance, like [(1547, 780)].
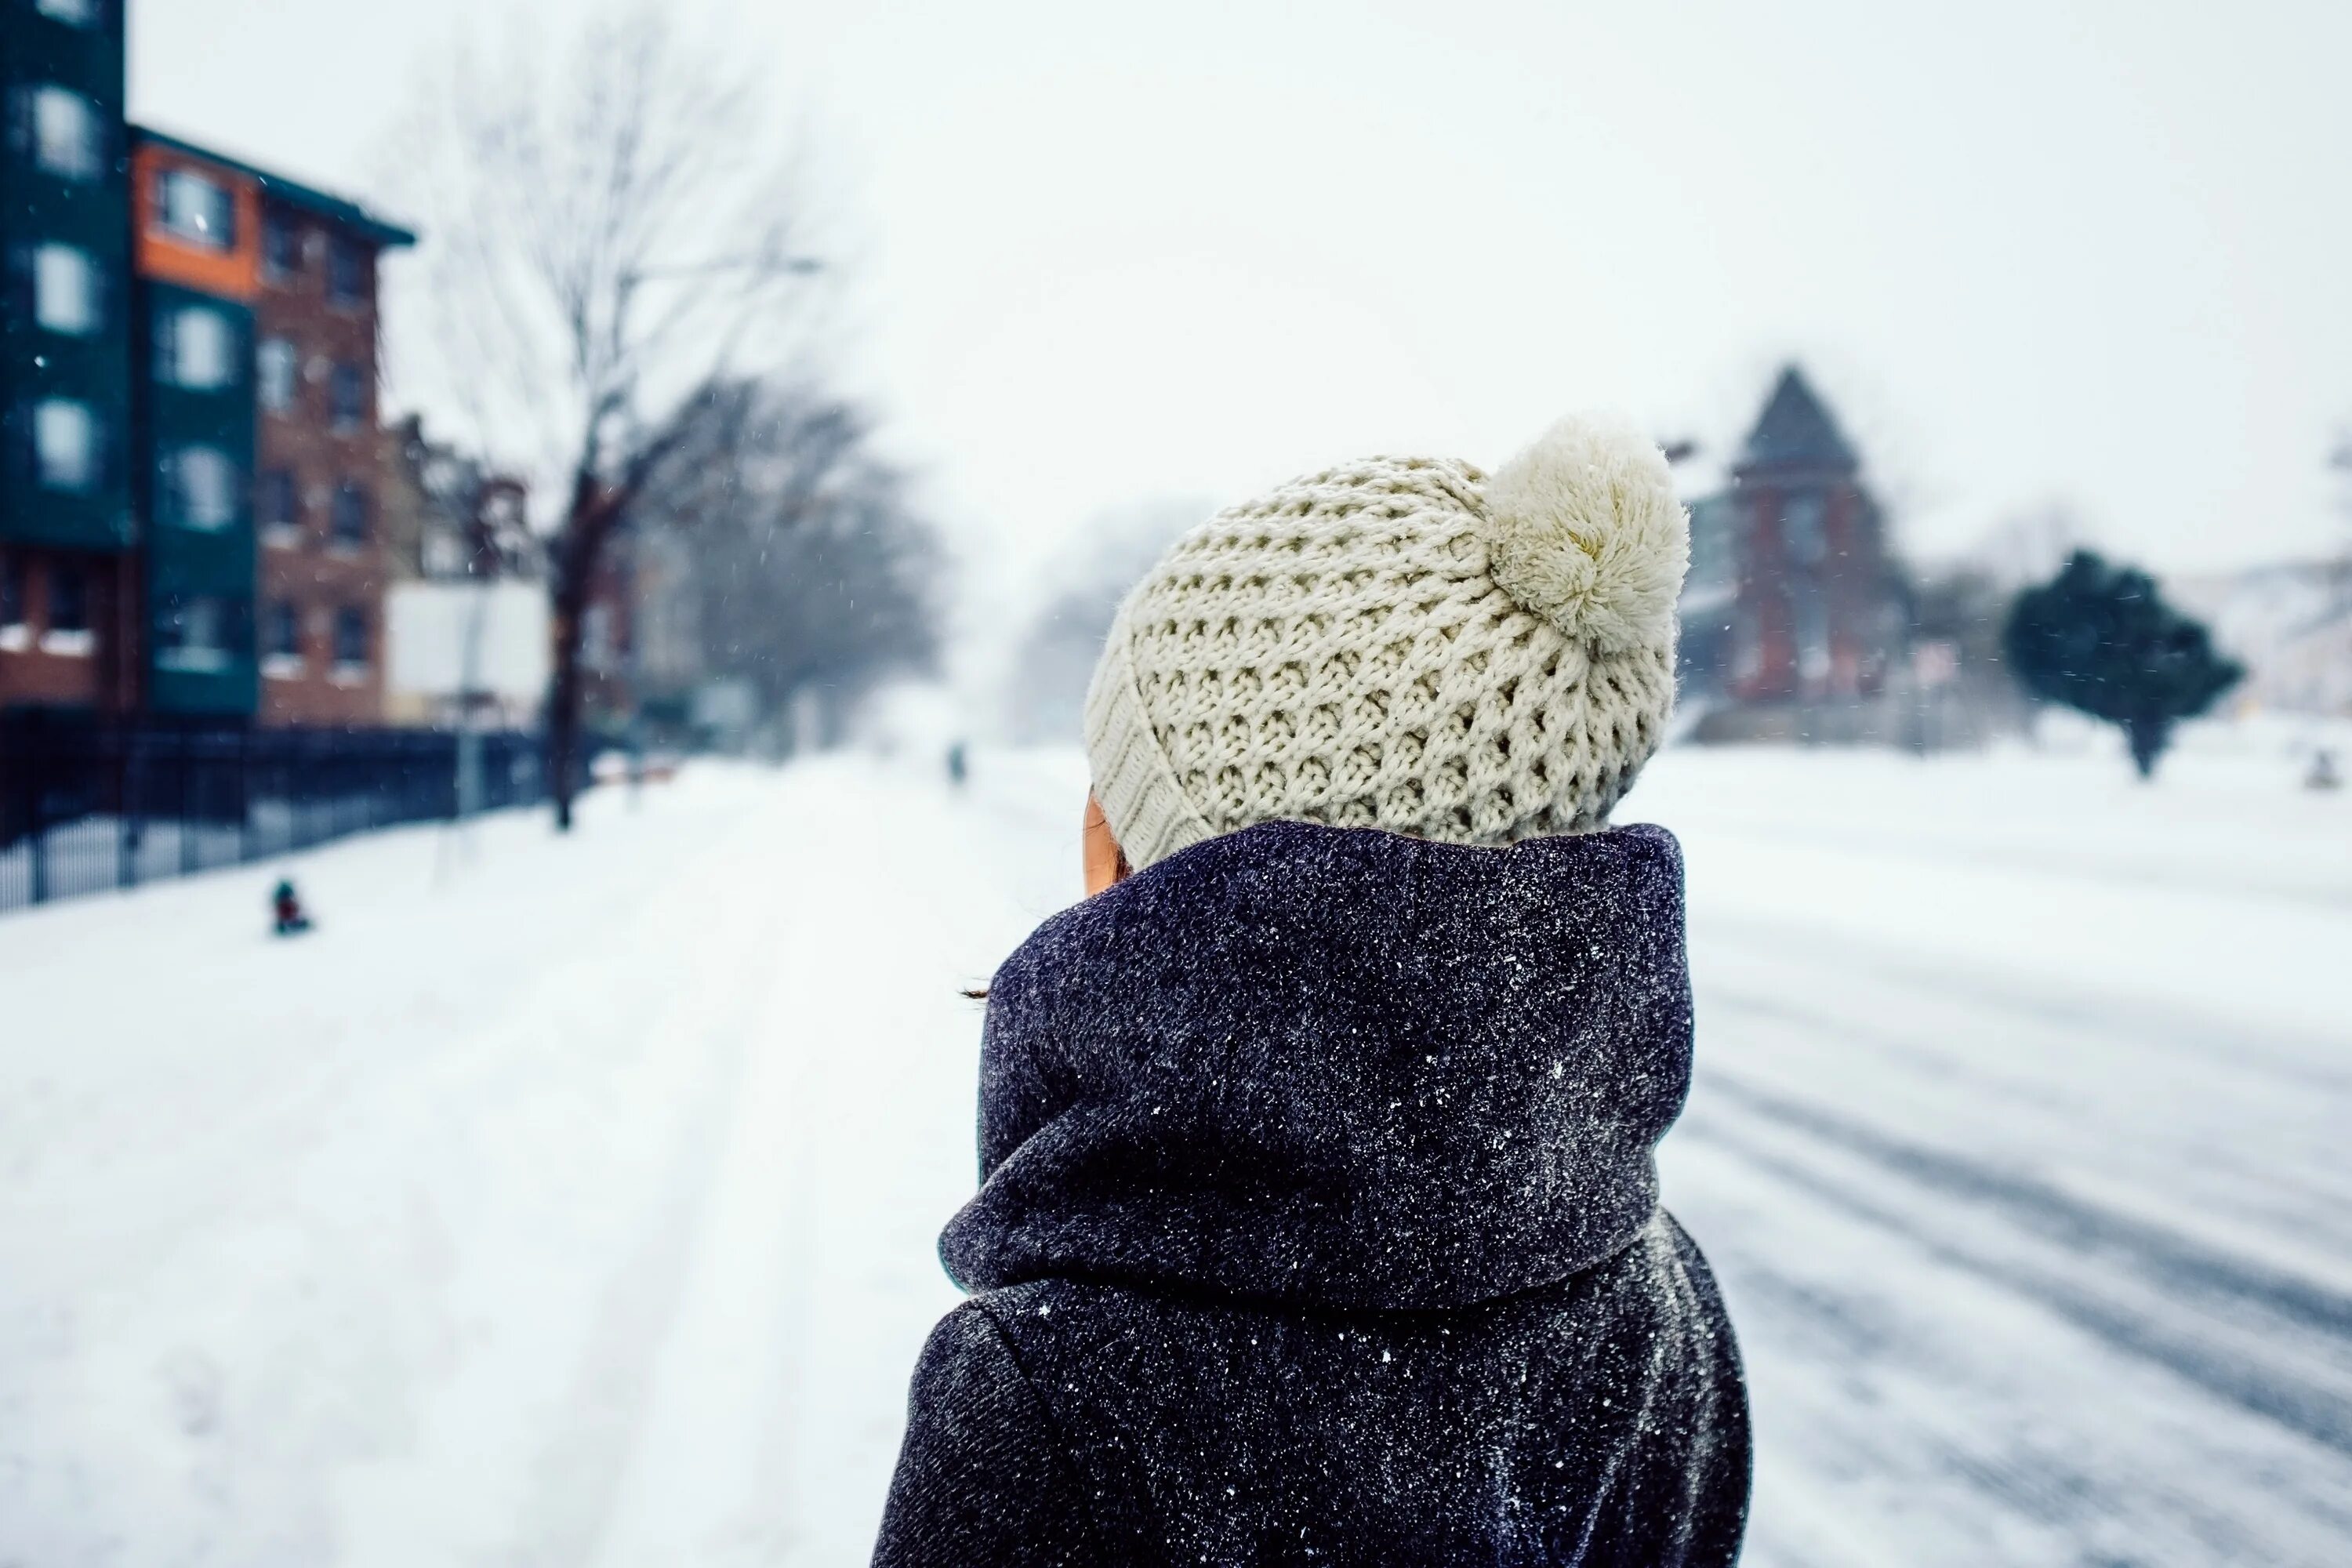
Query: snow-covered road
[(574, 1203)]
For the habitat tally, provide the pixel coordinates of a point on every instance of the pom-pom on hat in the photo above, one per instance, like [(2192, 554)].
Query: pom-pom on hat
[(1402, 643)]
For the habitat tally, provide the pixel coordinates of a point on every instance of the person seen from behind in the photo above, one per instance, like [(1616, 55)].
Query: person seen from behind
[(287, 915), (1319, 1220)]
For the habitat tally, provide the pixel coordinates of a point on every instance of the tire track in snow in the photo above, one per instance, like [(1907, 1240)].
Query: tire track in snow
[(2307, 1410), (2163, 1256), (706, 1478), (1868, 1341), (2262, 1339), (577, 1479), (1874, 1377), (757, 1440), (2240, 1128), (2133, 1515), (2293, 1058)]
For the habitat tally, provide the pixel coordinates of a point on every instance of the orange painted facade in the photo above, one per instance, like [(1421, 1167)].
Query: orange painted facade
[(233, 273)]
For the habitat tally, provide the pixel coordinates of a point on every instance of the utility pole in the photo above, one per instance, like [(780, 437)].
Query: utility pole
[(2340, 459), (479, 586)]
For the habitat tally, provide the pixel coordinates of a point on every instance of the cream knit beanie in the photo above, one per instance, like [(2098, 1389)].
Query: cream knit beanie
[(1402, 643)]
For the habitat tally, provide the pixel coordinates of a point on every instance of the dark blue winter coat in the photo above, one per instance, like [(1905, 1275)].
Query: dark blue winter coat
[(1320, 1224)]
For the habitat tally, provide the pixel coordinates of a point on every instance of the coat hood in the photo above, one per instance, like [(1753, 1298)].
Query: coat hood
[(1336, 1067)]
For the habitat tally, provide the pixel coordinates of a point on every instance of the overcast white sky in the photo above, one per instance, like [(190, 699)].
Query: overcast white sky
[(2096, 253)]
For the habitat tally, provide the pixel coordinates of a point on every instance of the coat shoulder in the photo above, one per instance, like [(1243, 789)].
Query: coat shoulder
[(983, 1477)]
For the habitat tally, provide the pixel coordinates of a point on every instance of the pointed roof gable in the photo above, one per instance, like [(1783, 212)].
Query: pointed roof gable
[(1796, 432)]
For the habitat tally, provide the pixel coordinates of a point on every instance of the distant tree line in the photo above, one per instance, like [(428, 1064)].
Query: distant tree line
[(797, 562), (1056, 656)]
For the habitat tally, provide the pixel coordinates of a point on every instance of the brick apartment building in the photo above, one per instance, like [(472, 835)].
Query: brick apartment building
[(69, 603), (449, 518), (1793, 597), (320, 475), (189, 500)]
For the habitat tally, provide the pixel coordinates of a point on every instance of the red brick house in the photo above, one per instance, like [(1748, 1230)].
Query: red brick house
[(1794, 595)]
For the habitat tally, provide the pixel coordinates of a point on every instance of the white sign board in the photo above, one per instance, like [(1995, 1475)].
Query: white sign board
[(448, 639)]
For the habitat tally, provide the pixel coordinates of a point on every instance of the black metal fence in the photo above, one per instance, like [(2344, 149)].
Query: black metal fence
[(88, 805)]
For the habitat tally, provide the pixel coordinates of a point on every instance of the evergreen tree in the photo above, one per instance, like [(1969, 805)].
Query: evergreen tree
[(2100, 639)]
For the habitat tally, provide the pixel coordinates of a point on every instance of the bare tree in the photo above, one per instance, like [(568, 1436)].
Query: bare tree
[(607, 241), (809, 566), (1057, 653)]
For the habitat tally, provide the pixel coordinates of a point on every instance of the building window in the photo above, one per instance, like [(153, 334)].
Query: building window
[(443, 554), (195, 209), (1713, 562), (201, 484), (281, 243), (349, 525), (65, 132), (68, 598), (195, 347), (1809, 612), (350, 638), (347, 272), (72, 12), (347, 396), (279, 364), (1804, 529), (64, 445), (65, 290), (67, 633), (193, 633), (277, 504), (282, 631), (1747, 645), (12, 595)]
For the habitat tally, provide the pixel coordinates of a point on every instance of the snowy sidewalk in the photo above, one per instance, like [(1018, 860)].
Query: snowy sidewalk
[(579, 1206), (560, 1207)]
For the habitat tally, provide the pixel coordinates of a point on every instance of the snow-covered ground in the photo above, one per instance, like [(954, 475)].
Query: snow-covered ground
[(574, 1203)]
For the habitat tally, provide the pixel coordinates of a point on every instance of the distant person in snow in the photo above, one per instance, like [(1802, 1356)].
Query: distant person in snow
[(958, 765), (1318, 1220), (285, 910)]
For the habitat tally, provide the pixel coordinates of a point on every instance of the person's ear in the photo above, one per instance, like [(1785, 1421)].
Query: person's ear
[(1106, 862)]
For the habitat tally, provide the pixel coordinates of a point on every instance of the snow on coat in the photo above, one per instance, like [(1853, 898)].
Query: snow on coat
[(1319, 1224)]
